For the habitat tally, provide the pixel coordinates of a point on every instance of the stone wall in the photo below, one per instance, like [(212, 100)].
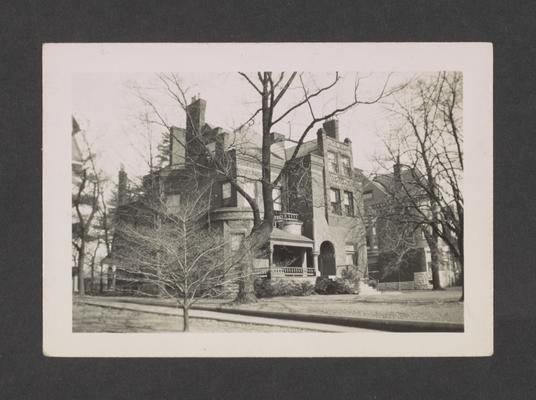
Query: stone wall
[(421, 280), (406, 285)]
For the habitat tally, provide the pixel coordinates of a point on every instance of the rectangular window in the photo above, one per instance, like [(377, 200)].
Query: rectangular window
[(346, 166), (367, 195), (236, 241), (349, 204), (173, 202), (226, 190), (335, 200), (276, 196), (333, 163)]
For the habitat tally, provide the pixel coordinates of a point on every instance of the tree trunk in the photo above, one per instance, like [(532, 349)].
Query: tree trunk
[(101, 278), (434, 254), (255, 244), (91, 286), (81, 257), (246, 286), (461, 258), (185, 318), (462, 280)]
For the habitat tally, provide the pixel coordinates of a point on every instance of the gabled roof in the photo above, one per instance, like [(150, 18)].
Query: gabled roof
[(76, 127), (408, 177), (382, 187), (305, 148)]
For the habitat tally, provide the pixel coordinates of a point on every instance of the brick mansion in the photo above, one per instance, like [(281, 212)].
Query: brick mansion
[(321, 224)]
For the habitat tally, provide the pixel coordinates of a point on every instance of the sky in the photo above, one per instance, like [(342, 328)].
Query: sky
[(108, 110)]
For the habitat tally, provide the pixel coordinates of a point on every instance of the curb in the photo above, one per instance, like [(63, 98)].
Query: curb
[(366, 323), (355, 322)]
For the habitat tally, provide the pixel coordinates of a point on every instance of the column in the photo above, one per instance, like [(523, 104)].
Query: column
[(315, 262), (270, 260), (304, 262)]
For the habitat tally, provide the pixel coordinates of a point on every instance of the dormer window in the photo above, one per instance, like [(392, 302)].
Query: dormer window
[(333, 162)]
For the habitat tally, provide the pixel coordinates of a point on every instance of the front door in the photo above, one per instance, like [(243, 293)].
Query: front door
[(326, 259)]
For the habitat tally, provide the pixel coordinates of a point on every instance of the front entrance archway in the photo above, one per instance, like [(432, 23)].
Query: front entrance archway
[(326, 259)]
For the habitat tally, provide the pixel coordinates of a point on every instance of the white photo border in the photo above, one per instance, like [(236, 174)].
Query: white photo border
[(61, 61)]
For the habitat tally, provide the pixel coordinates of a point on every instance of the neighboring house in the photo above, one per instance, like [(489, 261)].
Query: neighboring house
[(398, 253), (319, 227)]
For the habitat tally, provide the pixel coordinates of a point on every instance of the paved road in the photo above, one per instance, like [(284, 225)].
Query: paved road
[(163, 310)]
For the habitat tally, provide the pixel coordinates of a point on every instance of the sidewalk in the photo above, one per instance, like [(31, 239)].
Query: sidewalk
[(387, 313), (169, 310)]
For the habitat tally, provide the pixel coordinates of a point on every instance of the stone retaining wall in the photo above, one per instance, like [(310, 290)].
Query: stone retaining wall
[(421, 280), (406, 285)]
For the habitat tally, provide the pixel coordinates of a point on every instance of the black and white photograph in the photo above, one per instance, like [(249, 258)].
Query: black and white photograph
[(308, 203)]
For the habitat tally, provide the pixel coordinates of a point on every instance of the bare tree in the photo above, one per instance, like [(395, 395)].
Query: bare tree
[(272, 89), (429, 142), (172, 248), (85, 201), (105, 225), (398, 234), (92, 219)]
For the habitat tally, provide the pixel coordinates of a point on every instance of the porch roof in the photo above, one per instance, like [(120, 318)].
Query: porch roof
[(282, 238)]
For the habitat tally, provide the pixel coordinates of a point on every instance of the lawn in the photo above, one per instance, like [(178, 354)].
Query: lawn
[(88, 318), (426, 305), (422, 305)]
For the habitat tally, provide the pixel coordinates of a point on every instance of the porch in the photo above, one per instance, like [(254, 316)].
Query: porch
[(290, 253)]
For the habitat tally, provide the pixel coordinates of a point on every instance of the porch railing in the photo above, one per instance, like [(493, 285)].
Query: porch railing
[(292, 271), (285, 216), (284, 271)]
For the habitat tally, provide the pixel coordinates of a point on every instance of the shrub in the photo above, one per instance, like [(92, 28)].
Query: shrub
[(324, 285), (373, 283), (348, 283), (265, 287), (307, 288)]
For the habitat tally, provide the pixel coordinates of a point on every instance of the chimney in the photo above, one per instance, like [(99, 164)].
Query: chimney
[(320, 140), (276, 137), (397, 175), (195, 116), (122, 187), (331, 126), (278, 144), (177, 150)]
